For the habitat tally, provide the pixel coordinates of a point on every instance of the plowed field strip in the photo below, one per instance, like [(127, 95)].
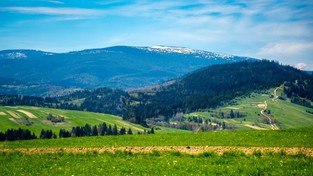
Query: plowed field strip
[(182, 149)]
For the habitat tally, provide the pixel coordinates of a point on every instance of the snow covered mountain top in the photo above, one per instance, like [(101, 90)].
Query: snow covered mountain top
[(171, 49), (15, 55), (183, 50), (23, 54)]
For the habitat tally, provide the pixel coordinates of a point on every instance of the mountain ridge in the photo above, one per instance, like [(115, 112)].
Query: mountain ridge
[(123, 67)]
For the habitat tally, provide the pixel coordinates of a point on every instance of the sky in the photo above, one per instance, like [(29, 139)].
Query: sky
[(280, 30)]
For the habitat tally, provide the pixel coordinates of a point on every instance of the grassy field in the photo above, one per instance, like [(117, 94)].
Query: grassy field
[(14, 117), (156, 162), (287, 114), (302, 137)]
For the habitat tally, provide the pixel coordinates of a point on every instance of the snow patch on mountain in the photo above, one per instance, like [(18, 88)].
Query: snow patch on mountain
[(15, 55), (170, 49), (188, 51)]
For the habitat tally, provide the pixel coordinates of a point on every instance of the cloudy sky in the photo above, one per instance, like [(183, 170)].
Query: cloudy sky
[(274, 29)]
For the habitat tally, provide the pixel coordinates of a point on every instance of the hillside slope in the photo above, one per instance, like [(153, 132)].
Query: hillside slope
[(35, 119), (266, 110), (211, 87)]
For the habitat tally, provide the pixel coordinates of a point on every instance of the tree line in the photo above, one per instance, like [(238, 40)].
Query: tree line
[(78, 131)]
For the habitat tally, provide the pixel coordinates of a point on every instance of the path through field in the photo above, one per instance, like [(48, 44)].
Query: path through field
[(273, 126), (182, 149)]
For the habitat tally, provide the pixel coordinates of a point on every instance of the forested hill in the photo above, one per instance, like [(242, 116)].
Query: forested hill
[(208, 87), (213, 86)]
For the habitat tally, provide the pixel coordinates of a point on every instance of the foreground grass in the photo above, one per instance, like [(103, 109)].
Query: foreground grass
[(155, 163), (302, 137)]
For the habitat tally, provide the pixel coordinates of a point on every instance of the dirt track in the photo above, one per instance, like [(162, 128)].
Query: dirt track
[(182, 149)]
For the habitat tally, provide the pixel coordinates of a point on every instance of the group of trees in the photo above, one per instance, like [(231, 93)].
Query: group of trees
[(78, 131), (302, 88), (104, 100), (17, 134), (227, 114), (47, 134), (192, 123), (96, 130), (300, 91), (55, 118)]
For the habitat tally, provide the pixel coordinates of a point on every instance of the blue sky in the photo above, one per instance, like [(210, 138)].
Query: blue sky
[(274, 29)]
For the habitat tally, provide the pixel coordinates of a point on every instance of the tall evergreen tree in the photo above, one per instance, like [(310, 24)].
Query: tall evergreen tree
[(115, 131), (109, 130), (129, 131), (94, 131)]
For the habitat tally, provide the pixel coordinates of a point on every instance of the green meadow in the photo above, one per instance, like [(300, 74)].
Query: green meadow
[(285, 113), (15, 117), (155, 163), (301, 137)]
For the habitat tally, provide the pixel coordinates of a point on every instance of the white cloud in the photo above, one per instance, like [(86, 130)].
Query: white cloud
[(286, 48), (303, 66), (54, 11), (56, 2)]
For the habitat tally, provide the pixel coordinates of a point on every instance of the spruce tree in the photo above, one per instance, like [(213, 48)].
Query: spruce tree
[(109, 130), (115, 131), (94, 131), (152, 130), (129, 131)]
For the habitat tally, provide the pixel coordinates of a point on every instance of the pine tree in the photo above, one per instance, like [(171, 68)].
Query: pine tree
[(109, 130), (61, 133), (43, 134), (115, 131), (87, 130), (129, 131), (94, 131)]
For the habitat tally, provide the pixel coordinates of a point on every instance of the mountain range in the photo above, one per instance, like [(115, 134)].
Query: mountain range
[(122, 67)]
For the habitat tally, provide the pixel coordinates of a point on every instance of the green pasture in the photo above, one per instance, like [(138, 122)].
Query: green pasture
[(72, 118), (301, 137)]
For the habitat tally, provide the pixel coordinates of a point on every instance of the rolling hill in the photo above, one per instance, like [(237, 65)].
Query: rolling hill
[(35, 119), (121, 67), (213, 86)]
